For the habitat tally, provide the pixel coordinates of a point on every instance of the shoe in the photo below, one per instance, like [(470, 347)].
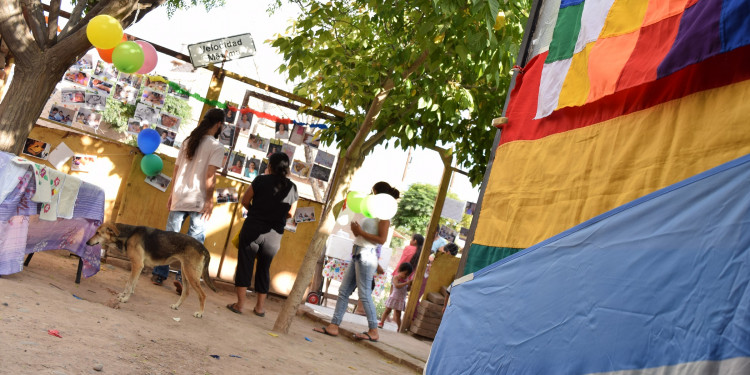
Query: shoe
[(365, 337), (324, 331), (232, 309), (178, 287), (157, 280), (380, 325), (258, 314)]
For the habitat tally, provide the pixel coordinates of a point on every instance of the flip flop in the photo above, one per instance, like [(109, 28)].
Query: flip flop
[(232, 309), (380, 326), (258, 314), (324, 331), (365, 338)]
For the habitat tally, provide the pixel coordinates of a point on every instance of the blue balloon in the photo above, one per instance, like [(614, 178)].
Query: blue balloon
[(148, 141)]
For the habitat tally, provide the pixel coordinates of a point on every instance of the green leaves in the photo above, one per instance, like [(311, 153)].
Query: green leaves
[(343, 54)]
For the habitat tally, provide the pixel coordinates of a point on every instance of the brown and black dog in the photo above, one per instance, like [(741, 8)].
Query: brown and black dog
[(153, 247)]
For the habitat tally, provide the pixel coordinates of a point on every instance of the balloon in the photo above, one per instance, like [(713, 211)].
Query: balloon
[(382, 206), (148, 141), (128, 57), (151, 164), (345, 217), (106, 54), (149, 57), (104, 32), (353, 200), (364, 207)]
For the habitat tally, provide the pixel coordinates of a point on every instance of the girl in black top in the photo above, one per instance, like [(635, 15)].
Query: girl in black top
[(270, 200)]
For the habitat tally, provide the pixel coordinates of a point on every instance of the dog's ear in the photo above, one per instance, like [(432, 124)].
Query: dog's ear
[(112, 229)]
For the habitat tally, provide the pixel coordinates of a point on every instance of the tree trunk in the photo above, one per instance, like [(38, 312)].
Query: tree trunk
[(341, 184), (27, 95)]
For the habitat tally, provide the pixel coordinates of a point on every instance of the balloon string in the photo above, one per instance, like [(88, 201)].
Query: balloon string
[(137, 12)]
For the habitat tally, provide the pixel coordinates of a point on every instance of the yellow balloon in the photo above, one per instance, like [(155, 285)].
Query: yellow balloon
[(104, 32)]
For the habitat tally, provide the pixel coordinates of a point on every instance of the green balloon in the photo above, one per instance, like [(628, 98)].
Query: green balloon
[(365, 206), (151, 165), (354, 200), (128, 57)]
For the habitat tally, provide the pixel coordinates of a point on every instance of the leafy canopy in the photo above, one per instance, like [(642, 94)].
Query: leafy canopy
[(449, 62), (415, 209)]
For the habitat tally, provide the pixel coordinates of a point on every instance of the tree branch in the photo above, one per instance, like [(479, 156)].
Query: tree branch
[(32, 12), (75, 18), (16, 33), (373, 141), (54, 14)]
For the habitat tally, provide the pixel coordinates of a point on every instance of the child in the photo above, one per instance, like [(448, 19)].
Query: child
[(397, 299)]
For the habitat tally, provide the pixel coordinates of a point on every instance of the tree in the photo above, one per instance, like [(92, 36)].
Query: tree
[(42, 54), (420, 71), (415, 208)]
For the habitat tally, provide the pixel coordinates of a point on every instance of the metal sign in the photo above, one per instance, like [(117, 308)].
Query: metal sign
[(220, 50)]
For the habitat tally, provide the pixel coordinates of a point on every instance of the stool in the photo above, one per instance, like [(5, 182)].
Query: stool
[(78, 273)]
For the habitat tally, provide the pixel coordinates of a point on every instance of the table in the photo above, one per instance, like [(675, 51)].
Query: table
[(25, 233)]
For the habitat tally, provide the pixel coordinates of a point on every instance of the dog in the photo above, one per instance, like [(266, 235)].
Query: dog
[(147, 246)]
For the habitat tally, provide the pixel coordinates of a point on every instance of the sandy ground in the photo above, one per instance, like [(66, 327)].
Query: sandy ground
[(145, 336)]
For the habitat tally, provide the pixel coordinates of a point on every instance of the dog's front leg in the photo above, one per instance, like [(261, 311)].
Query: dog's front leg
[(136, 266)]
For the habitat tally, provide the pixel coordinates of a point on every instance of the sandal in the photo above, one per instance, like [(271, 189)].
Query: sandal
[(258, 314), (324, 331), (380, 325), (232, 309), (368, 338)]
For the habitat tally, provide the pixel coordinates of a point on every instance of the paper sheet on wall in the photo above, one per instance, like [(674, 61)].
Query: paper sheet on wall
[(60, 155), (453, 209)]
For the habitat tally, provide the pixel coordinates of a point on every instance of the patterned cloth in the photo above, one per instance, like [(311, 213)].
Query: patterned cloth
[(24, 233), (397, 299), (336, 267)]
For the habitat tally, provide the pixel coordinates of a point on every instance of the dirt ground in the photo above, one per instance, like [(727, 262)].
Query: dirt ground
[(145, 336)]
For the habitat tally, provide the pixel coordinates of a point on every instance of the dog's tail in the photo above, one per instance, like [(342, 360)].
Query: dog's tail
[(206, 260)]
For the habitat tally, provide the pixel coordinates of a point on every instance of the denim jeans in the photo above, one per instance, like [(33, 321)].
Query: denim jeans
[(359, 275), (174, 224)]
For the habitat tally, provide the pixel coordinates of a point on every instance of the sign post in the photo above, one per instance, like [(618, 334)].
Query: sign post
[(221, 50)]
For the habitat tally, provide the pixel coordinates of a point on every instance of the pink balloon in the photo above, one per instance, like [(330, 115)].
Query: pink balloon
[(150, 58)]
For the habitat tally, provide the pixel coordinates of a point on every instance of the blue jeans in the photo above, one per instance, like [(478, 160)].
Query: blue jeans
[(174, 224), (359, 275)]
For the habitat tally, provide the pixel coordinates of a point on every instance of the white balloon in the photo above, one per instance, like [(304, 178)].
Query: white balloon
[(345, 217), (384, 206)]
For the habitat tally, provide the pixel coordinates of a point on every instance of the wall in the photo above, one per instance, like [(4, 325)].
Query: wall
[(442, 272), (130, 200)]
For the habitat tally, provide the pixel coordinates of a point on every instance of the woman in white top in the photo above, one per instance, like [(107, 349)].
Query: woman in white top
[(368, 236)]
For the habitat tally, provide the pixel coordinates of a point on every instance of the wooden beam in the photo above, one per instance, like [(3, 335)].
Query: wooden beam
[(295, 107)]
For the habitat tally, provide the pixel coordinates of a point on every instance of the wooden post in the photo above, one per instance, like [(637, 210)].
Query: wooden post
[(214, 89), (411, 305)]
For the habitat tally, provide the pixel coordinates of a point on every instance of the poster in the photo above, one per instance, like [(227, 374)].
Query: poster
[(35, 148), (453, 209), (320, 173), (82, 163), (160, 181), (304, 214)]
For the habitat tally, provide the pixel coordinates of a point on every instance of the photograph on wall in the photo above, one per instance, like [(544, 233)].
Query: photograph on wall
[(252, 168), (290, 225), (300, 168), (273, 148), (124, 93), (148, 115), (320, 172), (298, 135), (463, 233), (226, 137), (159, 181), (312, 140), (282, 131), (105, 70), (73, 95), (86, 62), (76, 76), (82, 163), (263, 166), (256, 142), (157, 83), (470, 207), (304, 214), (325, 159), (236, 162), (36, 148), (153, 98), (226, 157), (169, 121), (288, 149), (135, 125), (61, 114), (132, 80), (167, 136), (244, 121), (100, 85), (96, 100), (230, 114), (447, 233), (227, 195), (87, 116)]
